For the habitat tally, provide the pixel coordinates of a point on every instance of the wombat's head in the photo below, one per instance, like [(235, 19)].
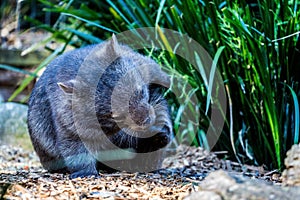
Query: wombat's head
[(133, 74), (118, 81)]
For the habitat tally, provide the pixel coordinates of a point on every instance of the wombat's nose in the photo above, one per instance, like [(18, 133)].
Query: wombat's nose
[(143, 115), (150, 117), (147, 121)]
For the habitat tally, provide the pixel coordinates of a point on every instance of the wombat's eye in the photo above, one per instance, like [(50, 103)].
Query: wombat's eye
[(138, 94), (141, 93)]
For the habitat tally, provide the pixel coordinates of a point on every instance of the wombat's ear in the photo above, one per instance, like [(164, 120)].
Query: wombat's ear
[(159, 77), (164, 80), (113, 45), (67, 86)]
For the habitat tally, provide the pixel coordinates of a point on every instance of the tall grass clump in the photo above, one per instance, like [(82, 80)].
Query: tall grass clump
[(259, 62)]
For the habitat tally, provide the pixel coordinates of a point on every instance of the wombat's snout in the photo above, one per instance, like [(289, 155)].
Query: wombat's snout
[(143, 115), (150, 116)]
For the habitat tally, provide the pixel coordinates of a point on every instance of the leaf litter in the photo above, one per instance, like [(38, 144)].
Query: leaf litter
[(22, 177)]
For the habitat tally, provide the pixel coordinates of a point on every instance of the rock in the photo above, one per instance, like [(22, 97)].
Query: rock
[(204, 195), (225, 186), (13, 126), (291, 175)]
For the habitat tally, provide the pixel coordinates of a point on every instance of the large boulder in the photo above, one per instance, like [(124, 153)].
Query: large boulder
[(13, 124), (221, 185), (291, 174)]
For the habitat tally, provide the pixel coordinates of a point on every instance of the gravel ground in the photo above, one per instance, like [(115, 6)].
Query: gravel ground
[(22, 177)]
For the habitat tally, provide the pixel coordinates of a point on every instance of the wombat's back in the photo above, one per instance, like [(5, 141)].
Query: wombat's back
[(45, 100)]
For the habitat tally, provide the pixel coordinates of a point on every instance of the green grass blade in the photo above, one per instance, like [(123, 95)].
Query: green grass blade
[(297, 119), (202, 137), (119, 12), (161, 6), (144, 17), (88, 22), (15, 69), (27, 80), (35, 46), (85, 36), (211, 77), (201, 69)]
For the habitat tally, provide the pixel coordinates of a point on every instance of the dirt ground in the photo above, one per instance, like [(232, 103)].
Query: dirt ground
[(22, 177)]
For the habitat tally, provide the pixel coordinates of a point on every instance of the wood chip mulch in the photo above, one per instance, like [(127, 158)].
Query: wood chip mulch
[(22, 177)]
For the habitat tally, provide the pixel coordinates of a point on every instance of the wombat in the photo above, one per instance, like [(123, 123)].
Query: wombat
[(100, 107)]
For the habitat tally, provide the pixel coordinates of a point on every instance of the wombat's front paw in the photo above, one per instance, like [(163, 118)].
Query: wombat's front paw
[(83, 174)]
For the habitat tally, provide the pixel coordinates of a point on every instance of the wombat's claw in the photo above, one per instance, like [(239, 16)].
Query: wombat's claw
[(83, 174)]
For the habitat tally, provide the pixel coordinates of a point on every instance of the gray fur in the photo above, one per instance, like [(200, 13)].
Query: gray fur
[(86, 79)]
